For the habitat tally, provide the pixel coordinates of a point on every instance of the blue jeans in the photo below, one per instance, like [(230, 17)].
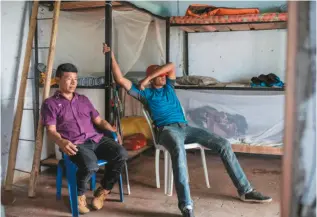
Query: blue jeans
[(174, 137)]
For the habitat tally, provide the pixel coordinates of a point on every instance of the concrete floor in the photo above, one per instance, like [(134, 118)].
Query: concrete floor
[(218, 201)]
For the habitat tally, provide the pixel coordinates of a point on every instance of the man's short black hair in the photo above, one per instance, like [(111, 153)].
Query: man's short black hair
[(65, 67)]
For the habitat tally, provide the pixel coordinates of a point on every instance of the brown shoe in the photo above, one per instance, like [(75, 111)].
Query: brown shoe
[(100, 196), (82, 205)]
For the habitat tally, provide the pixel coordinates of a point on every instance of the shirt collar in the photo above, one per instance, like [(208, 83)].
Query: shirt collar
[(59, 95)]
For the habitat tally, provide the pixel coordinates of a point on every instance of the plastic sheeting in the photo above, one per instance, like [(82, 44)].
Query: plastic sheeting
[(81, 34), (243, 117)]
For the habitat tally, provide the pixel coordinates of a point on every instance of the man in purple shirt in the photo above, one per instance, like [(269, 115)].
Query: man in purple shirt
[(70, 120)]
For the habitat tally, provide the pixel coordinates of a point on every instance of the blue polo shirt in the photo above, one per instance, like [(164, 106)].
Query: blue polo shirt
[(162, 103)]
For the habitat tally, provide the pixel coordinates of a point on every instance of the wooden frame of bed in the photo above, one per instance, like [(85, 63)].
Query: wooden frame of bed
[(251, 22), (87, 6)]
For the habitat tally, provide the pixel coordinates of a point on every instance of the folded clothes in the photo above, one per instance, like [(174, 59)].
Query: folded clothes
[(203, 10)]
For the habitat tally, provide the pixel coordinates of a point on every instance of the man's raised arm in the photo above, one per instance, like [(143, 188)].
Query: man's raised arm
[(118, 77), (168, 69)]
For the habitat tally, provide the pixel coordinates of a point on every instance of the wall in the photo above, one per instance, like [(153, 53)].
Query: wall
[(14, 30), (237, 56)]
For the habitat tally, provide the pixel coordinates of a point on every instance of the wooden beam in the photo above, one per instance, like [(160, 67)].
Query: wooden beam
[(79, 5), (47, 85), (298, 165), (252, 149), (19, 112), (187, 29), (290, 107), (268, 26), (239, 27)]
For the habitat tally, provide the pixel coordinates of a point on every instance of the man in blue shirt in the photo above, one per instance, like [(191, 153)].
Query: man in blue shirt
[(173, 132)]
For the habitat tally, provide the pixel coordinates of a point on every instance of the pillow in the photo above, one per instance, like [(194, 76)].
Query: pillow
[(196, 80)]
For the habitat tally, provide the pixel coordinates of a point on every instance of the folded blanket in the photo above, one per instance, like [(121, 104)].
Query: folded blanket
[(196, 80)]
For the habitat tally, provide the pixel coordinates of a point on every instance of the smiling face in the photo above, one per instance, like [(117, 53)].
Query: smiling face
[(68, 82)]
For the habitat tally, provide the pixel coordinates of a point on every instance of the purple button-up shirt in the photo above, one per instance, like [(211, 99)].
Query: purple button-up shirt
[(73, 119)]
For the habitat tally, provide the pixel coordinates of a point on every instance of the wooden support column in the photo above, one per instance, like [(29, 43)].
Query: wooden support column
[(19, 112), (300, 88), (47, 86)]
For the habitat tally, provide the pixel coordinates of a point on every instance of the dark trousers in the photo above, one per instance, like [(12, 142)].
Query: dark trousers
[(86, 161)]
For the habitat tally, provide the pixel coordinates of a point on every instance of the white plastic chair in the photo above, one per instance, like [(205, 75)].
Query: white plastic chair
[(168, 172)]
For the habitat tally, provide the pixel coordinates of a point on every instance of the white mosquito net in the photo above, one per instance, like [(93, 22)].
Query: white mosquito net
[(81, 34)]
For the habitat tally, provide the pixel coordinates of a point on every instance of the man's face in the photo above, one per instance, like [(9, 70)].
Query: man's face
[(160, 80), (68, 82)]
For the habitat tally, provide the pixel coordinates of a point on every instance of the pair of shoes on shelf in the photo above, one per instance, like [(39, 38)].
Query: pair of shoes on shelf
[(269, 80)]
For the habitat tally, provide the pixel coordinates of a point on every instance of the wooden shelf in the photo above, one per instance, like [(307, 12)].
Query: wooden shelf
[(247, 22), (195, 87), (233, 27), (257, 149)]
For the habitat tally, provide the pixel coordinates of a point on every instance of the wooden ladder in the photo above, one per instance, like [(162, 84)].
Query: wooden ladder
[(19, 112)]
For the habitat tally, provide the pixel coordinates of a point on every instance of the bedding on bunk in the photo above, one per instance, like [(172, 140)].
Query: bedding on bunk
[(203, 10), (254, 118), (196, 80), (246, 18), (269, 80)]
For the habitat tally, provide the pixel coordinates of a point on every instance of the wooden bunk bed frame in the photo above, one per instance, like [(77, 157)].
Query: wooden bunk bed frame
[(87, 6), (251, 22)]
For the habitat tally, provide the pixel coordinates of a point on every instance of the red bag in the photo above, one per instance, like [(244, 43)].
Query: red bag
[(134, 142)]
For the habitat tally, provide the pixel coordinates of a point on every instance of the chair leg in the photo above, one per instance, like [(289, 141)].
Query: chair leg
[(170, 177), (166, 155), (157, 167), (93, 182), (59, 179), (187, 173), (121, 188), (203, 159), (127, 177), (72, 187)]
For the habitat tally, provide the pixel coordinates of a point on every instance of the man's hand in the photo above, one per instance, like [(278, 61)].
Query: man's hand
[(68, 148), (143, 83), (114, 129), (106, 49)]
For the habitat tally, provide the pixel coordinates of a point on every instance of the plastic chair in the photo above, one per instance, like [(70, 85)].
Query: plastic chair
[(168, 172), (71, 170)]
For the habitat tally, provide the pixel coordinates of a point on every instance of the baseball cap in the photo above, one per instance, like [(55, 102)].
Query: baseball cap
[(151, 69)]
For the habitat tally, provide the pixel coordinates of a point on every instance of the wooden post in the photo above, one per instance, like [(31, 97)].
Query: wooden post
[(300, 90), (47, 85), (290, 107), (19, 112)]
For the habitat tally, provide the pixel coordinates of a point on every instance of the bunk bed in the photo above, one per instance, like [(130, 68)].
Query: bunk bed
[(89, 83), (227, 23)]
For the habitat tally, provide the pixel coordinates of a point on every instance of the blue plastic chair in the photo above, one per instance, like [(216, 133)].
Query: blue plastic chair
[(71, 170)]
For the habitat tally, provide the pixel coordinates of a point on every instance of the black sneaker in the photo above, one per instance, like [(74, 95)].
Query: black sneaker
[(188, 212), (256, 197)]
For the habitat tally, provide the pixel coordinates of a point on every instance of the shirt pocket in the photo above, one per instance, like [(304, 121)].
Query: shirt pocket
[(84, 111)]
